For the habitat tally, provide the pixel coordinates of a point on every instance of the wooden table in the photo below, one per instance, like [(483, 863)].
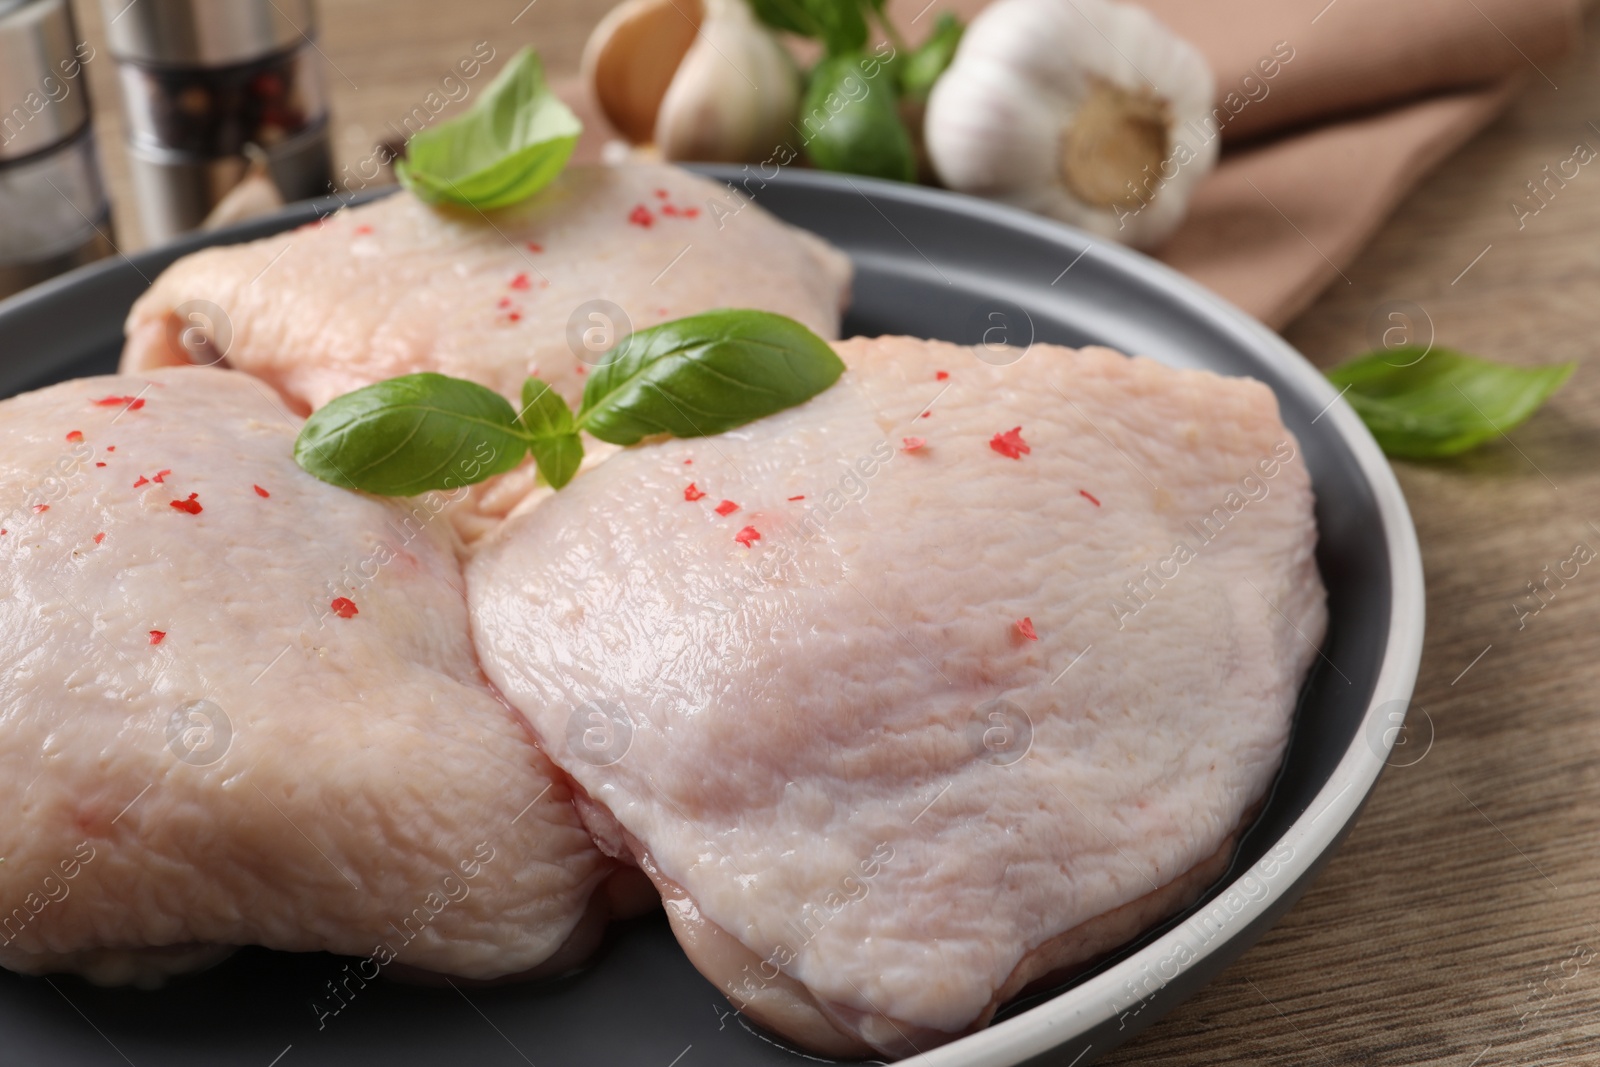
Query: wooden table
[(1456, 926)]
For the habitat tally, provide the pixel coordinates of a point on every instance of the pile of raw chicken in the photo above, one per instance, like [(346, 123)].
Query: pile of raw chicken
[(901, 702)]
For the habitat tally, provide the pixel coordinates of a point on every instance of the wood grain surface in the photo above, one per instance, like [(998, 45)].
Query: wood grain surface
[(1458, 923)]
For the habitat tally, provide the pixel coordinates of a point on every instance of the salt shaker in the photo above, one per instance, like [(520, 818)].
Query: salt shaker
[(201, 81), (54, 214)]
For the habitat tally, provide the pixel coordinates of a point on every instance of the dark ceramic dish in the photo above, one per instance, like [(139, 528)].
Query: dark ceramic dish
[(930, 264)]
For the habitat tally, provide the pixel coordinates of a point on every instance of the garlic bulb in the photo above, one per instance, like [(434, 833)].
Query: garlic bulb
[(1089, 111), (702, 79)]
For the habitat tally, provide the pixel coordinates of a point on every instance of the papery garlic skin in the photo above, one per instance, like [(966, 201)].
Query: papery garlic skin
[(1088, 111), (733, 89), (734, 94)]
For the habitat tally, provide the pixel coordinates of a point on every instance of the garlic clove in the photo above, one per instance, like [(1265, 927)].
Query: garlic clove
[(702, 79), (631, 57), (1089, 111), (734, 94)]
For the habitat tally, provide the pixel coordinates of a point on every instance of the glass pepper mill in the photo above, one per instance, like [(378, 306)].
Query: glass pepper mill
[(202, 81)]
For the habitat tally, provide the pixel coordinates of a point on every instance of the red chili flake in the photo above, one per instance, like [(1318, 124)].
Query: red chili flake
[(1010, 444), (99, 463), (344, 607), (514, 316), (133, 403), (687, 462), (940, 376), (692, 493), (581, 370), (75, 435), (911, 444), (3, 533), (668, 209), (99, 537), (160, 475), (691, 212), (747, 536), (802, 496), (1025, 628), (520, 282), (927, 414), (111, 448), (192, 506), (260, 492), (362, 231), (727, 507), (640, 216), (40, 509), (157, 636), (142, 481), (504, 302), (1089, 497), (662, 194), (534, 246)]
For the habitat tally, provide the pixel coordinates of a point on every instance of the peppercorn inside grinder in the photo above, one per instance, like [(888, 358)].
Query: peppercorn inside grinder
[(202, 81), (54, 214)]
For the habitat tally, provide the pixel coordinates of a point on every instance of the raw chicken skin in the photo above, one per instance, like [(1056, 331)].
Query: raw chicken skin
[(398, 286), (889, 729), (350, 782)]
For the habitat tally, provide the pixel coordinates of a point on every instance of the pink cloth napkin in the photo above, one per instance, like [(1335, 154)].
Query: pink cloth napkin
[(1377, 93)]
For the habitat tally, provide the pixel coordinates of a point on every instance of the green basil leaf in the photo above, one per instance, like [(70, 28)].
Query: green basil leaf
[(705, 374), (923, 67), (839, 24), (1422, 403), (411, 434), (844, 27), (791, 16), (558, 457), (506, 147), (544, 413), (852, 124), (555, 443)]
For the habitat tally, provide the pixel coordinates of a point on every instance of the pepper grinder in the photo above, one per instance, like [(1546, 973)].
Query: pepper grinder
[(54, 214), (203, 79)]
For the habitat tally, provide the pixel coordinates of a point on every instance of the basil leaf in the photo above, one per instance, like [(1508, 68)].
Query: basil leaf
[(839, 24), (558, 458), (705, 374), (923, 67), (544, 413), (1421, 404), (854, 125), (555, 443), (506, 147), (408, 435)]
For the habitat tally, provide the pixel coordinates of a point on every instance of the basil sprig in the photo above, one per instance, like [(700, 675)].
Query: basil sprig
[(1423, 404), (691, 377), (924, 65), (506, 147), (841, 25)]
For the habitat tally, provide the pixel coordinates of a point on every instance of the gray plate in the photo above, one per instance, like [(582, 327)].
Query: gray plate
[(929, 264)]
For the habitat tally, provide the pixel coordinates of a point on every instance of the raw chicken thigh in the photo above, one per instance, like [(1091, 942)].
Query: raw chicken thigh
[(241, 706), (399, 286), (951, 679)]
